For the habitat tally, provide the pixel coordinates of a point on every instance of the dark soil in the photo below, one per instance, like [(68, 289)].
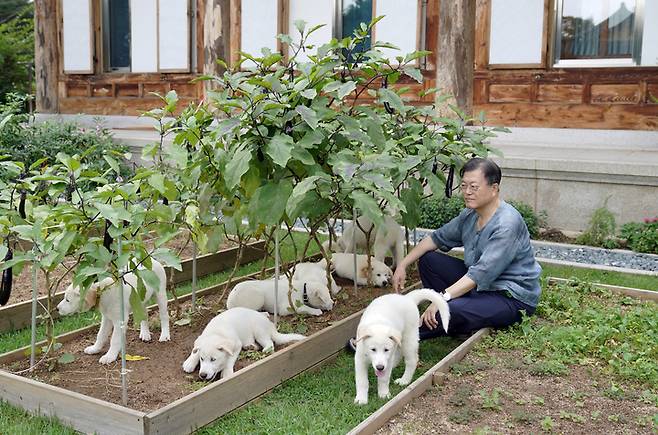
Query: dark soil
[(497, 392), (554, 235), (160, 379), (22, 284)]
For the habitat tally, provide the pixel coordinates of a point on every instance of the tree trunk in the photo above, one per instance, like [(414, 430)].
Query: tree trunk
[(46, 57), (455, 54)]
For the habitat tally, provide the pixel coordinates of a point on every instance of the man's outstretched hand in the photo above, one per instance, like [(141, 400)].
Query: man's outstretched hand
[(399, 278)]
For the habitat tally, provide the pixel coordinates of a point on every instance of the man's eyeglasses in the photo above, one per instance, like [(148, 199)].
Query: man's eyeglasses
[(472, 187)]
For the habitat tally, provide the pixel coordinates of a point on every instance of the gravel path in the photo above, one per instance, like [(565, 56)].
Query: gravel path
[(575, 253)]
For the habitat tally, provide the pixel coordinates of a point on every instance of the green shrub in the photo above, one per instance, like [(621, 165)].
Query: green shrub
[(28, 143), (642, 237), (436, 213), (532, 220), (601, 229), (16, 50)]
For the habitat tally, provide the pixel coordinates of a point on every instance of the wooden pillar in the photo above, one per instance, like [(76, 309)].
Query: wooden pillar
[(216, 30), (455, 52), (46, 58)]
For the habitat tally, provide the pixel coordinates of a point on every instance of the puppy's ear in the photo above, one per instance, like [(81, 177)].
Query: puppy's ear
[(363, 333), (90, 297), (227, 346), (396, 337), (363, 272)]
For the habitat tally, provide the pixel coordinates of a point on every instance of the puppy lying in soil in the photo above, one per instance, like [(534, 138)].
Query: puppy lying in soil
[(388, 329), (217, 348), (311, 298), (343, 264), (314, 272), (106, 296)]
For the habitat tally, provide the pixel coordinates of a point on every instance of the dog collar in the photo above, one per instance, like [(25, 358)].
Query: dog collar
[(305, 296)]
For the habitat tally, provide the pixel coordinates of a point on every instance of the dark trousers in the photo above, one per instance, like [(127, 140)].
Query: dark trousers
[(469, 312)]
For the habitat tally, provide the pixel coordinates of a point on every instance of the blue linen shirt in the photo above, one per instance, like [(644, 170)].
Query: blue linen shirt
[(499, 257)]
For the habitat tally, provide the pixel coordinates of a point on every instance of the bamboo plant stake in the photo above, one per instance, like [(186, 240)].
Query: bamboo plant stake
[(194, 255), (354, 230), (276, 276), (124, 372), (34, 313)]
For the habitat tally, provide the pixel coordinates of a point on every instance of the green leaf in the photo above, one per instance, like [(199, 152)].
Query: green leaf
[(114, 214), (368, 206), (139, 312), (157, 181), (390, 97), (299, 191), (269, 203), (167, 258), (113, 164), (300, 25), (177, 154), (149, 278), (308, 115), (346, 89), (414, 73), (237, 166), (66, 358), (183, 321), (280, 149), (309, 93)]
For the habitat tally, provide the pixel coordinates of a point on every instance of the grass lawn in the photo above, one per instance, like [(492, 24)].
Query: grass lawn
[(587, 362), (328, 392)]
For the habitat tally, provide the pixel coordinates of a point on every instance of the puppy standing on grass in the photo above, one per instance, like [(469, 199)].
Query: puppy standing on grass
[(106, 296), (388, 329), (219, 345)]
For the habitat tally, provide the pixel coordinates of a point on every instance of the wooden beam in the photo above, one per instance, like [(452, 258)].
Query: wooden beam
[(646, 295), (455, 52), (46, 55), (83, 413), (416, 388)]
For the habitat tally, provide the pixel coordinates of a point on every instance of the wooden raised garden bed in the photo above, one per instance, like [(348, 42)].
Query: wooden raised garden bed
[(190, 411)]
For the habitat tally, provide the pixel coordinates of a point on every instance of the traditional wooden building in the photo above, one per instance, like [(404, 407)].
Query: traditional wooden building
[(537, 66), (548, 63)]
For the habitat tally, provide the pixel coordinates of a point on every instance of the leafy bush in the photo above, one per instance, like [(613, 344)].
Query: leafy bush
[(28, 143), (16, 51), (601, 229), (532, 220), (436, 213), (642, 237)]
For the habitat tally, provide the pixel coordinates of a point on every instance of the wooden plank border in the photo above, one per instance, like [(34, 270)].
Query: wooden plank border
[(86, 414), (432, 376), (19, 315), (646, 295)]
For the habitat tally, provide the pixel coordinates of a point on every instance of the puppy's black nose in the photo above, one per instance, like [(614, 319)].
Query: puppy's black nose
[(202, 375), (380, 367)]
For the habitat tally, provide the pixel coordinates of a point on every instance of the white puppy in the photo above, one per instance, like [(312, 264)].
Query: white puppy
[(313, 272), (106, 296), (343, 264), (311, 298), (220, 343), (384, 238), (387, 330)]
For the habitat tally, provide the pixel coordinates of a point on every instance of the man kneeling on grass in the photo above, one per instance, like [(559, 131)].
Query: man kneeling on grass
[(498, 277)]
